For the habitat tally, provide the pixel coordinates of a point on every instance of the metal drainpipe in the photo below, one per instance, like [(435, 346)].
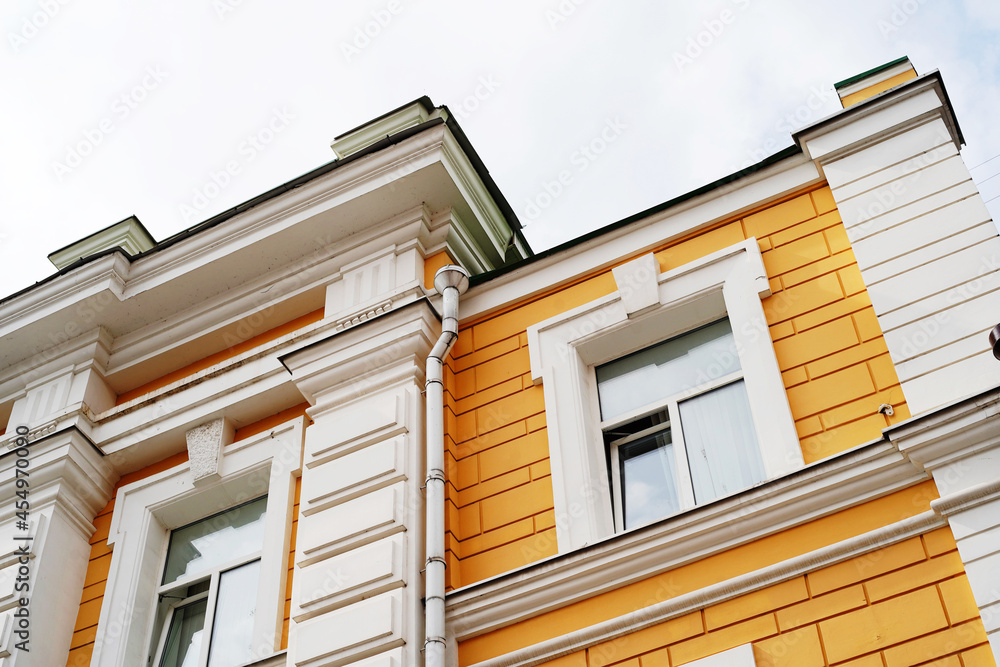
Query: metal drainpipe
[(450, 281)]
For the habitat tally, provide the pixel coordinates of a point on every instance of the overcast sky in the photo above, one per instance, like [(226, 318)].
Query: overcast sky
[(110, 109)]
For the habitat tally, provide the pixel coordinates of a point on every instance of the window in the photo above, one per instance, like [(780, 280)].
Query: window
[(189, 557), (677, 424), (208, 590), (635, 383)]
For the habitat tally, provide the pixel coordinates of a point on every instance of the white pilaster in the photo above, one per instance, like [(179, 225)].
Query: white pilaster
[(960, 446), (927, 248), (68, 484), (356, 593)]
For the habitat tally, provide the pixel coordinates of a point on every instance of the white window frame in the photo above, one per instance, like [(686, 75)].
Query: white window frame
[(148, 509), (670, 404), (214, 576), (649, 308)]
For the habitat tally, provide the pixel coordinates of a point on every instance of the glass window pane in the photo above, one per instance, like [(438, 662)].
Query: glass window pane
[(666, 369), (721, 442), (183, 644), (649, 479), (215, 540), (232, 637)]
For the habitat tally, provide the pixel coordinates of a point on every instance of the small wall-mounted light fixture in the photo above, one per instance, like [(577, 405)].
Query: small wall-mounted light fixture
[(886, 409), (995, 341)]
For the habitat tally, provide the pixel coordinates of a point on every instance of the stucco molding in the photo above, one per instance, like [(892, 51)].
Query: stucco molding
[(841, 482), (954, 432), (147, 509), (564, 349), (725, 590)]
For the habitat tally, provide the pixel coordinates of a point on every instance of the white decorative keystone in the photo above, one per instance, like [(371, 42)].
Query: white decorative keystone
[(637, 284), (205, 443)]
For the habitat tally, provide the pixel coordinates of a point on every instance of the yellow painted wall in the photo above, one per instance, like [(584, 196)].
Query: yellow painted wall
[(903, 605), (85, 630), (877, 88), (701, 573), (829, 346), (291, 564), (432, 264)]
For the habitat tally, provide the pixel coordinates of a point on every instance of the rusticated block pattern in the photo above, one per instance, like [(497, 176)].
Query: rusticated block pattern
[(827, 340), (906, 604)]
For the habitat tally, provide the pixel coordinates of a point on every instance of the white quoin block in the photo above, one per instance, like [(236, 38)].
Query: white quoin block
[(927, 249), (349, 577), (358, 631), (204, 444)]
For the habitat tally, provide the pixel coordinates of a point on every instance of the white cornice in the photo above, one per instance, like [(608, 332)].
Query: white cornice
[(409, 116), (129, 235), (89, 348), (951, 433), (107, 273), (65, 468), (347, 366), (577, 640), (475, 193), (788, 176), (273, 217), (893, 112), (262, 253), (967, 499), (847, 480)]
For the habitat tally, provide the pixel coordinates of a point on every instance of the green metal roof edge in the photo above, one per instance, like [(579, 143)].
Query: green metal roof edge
[(714, 185), (101, 231), (875, 70)]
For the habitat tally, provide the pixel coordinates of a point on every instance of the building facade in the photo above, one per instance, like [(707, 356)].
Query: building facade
[(754, 425)]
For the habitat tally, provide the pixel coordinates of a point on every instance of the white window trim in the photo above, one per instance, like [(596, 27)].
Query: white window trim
[(565, 349), (741, 656), (148, 509)]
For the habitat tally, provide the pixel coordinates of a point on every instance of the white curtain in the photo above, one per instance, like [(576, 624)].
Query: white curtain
[(721, 444), (668, 368), (232, 633)]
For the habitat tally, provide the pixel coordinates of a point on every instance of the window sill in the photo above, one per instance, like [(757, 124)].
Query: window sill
[(279, 659)]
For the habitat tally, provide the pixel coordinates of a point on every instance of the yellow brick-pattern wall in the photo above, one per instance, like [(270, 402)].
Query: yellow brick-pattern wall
[(706, 571), (829, 346), (500, 507), (834, 360), (903, 605), (85, 629), (291, 564)]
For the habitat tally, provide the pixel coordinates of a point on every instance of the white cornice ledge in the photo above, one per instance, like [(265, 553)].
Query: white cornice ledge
[(847, 480), (725, 590), (62, 291), (67, 469), (355, 362), (889, 113), (967, 499), (953, 432)]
